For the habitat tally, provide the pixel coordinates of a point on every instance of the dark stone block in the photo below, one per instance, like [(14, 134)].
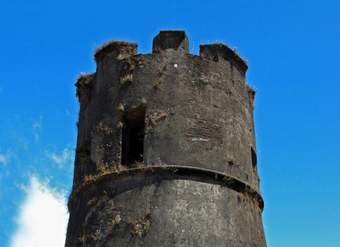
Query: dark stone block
[(176, 40)]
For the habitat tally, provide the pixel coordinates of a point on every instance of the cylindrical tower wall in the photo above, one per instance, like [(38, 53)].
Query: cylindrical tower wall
[(192, 179)]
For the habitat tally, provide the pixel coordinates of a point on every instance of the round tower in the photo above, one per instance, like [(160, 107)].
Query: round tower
[(166, 152)]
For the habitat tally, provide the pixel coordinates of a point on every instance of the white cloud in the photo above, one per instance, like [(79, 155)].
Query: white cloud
[(61, 158), (42, 219)]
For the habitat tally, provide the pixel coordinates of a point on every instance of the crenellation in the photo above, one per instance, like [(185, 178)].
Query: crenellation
[(176, 40), (217, 52), (84, 85), (115, 49)]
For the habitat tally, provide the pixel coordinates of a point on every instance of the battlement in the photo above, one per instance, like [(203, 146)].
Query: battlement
[(172, 40), (176, 40), (117, 49), (219, 51), (84, 84), (84, 79)]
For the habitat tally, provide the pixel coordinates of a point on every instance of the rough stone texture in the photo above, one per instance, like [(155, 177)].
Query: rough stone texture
[(197, 184)]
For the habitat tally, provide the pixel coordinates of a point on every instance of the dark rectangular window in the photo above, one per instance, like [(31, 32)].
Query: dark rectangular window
[(133, 137)]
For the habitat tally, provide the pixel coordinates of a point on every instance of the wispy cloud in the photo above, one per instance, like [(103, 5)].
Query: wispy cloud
[(36, 127), (42, 219), (5, 158), (61, 158)]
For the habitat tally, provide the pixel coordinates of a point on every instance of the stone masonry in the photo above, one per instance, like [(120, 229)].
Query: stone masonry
[(166, 152)]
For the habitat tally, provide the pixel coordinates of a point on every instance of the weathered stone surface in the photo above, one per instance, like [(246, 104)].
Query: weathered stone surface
[(199, 138), (176, 40)]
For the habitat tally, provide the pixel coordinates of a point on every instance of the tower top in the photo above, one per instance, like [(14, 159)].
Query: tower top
[(173, 40)]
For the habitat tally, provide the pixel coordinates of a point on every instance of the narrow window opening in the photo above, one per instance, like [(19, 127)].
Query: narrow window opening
[(133, 137), (253, 158)]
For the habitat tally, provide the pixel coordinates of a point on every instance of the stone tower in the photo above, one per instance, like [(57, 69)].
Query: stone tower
[(166, 152)]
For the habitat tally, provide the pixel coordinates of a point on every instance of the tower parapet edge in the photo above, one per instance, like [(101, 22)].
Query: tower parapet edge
[(116, 49), (220, 51), (159, 130), (84, 84)]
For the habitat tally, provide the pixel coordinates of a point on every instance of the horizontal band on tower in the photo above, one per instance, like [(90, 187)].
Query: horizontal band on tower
[(174, 172)]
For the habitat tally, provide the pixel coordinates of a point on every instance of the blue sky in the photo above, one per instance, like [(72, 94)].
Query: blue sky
[(292, 48)]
